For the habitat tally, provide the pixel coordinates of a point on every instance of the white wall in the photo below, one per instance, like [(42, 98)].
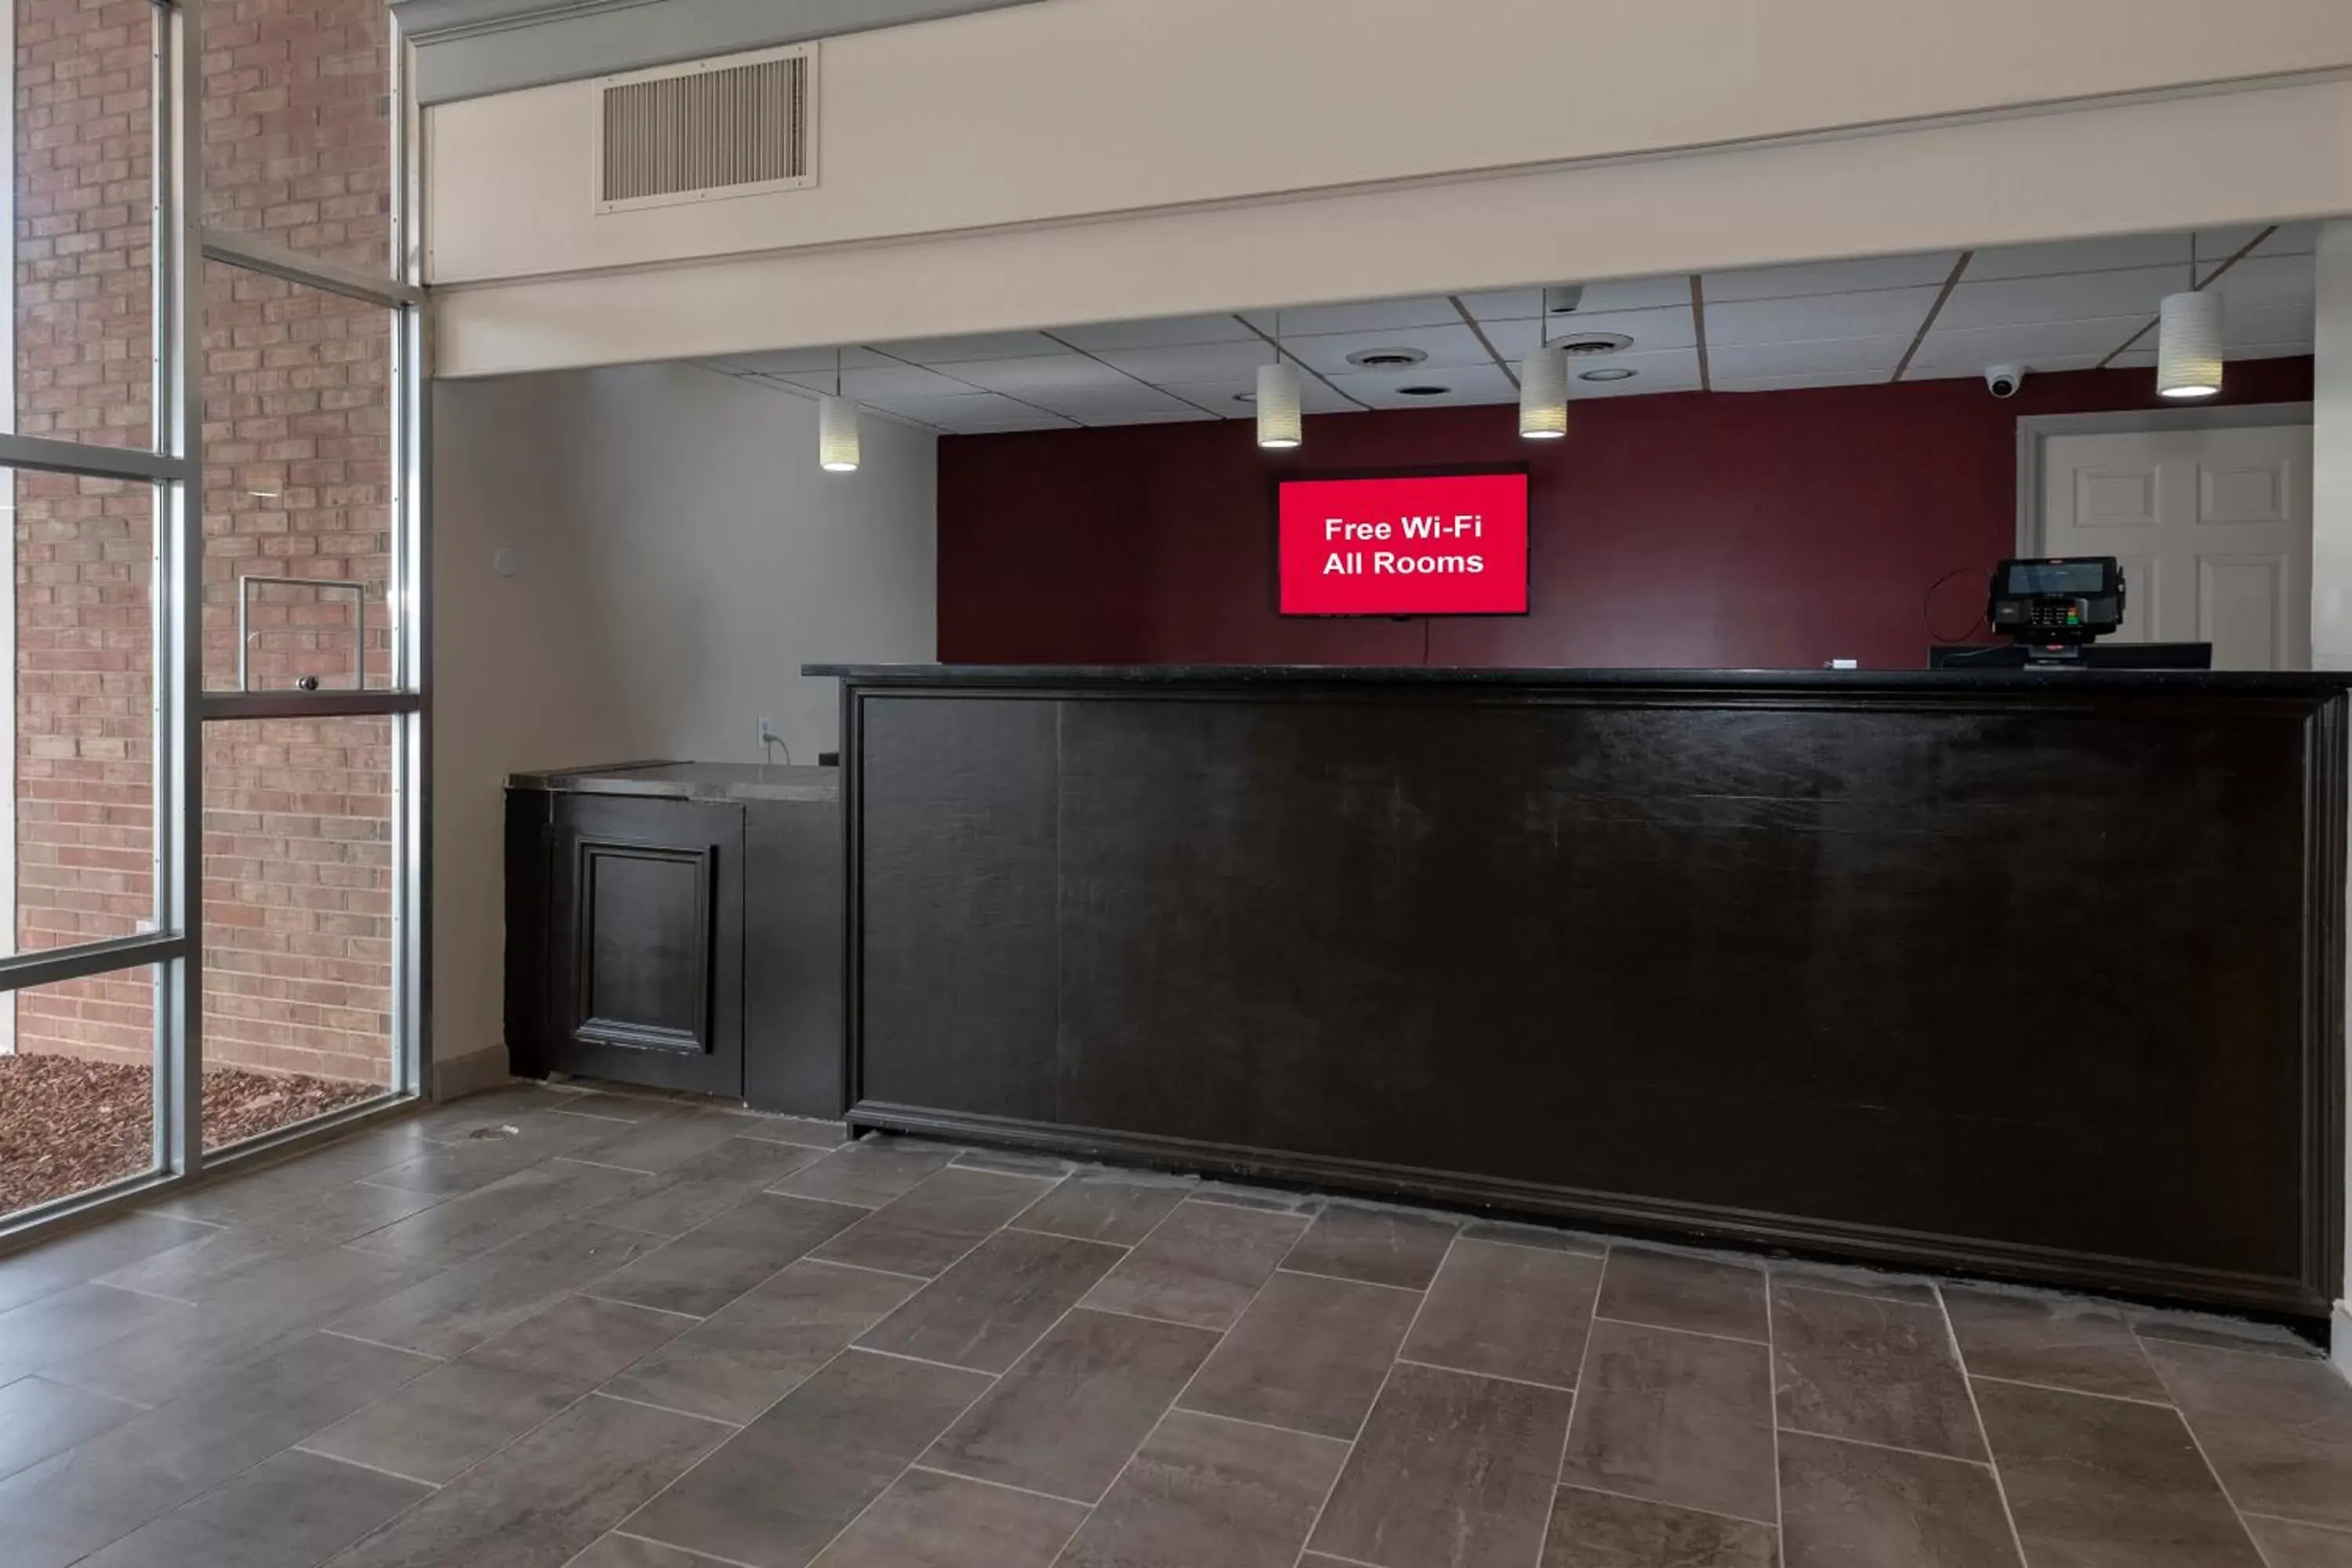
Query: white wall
[(679, 555), (2331, 560)]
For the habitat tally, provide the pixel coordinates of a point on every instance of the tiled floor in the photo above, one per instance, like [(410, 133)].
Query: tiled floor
[(550, 1327)]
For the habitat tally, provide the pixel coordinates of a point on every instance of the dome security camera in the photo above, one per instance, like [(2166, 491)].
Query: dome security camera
[(2004, 380)]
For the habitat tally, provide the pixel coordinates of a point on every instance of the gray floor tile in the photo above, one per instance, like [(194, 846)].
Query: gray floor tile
[(993, 1305), (931, 1520), (244, 1195), (1380, 1247), (1594, 1529), (759, 1348), (448, 1420), (1093, 1205), (1308, 1355), (710, 1266), (60, 1329), (704, 1186), (583, 1340), (869, 1172), (619, 1551), (292, 1510), (1698, 1295), (79, 1501), (805, 1132), (785, 1485), (2286, 1544), (1509, 1312), (2059, 1342), (484, 1156), (2225, 1334), (1271, 1200), (1202, 1264), (666, 1140), (1843, 1280), (1453, 1470), (937, 1221), (1014, 1161), (2279, 1432), (1204, 1489), (457, 1308), (523, 1200), (2107, 1483), (1678, 1418), (1535, 1235), (85, 1254), (39, 1418), (1871, 1370), (1845, 1505), (550, 1494), (201, 1268), (1065, 1420)]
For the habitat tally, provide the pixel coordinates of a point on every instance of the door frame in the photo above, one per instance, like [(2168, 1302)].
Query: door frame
[(2034, 431)]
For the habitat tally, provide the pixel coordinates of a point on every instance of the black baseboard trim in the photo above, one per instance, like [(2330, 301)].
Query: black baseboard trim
[(1503, 1198)]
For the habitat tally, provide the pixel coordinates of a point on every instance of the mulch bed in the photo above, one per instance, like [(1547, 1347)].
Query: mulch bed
[(67, 1125)]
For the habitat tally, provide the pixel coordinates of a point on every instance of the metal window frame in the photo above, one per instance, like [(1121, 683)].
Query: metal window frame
[(174, 468)]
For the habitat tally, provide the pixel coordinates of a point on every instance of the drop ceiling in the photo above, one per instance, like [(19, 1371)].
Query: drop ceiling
[(2072, 305)]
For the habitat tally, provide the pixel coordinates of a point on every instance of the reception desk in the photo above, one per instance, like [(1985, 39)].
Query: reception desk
[(2037, 976)]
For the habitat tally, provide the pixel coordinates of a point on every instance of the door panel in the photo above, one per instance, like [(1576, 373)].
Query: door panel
[(2212, 527)]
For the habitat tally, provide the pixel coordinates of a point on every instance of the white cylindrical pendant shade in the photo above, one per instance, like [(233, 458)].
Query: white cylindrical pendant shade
[(836, 435), (1543, 393), (2188, 344), (1277, 405)]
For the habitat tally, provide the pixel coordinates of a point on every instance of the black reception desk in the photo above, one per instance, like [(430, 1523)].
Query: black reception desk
[(2029, 975)]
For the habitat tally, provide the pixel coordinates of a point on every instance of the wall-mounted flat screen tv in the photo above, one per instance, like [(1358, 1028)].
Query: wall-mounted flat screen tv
[(1451, 543)]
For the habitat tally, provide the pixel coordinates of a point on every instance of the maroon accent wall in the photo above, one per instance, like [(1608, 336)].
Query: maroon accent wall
[(1756, 530)]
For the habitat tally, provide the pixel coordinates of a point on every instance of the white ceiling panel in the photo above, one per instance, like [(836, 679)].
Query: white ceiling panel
[(1178, 416), (1598, 298), (1859, 357), (1874, 313), (1831, 278), (2065, 297), (2269, 282), (981, 345), (1672, 370), (1923, 369), (1195, 362), (2037, 347), (1469, 384), (1038, 373), (1795, 381), (1372, 316), (1009, 426), (1661, 329), (2116, 253), (883, 382), (1164, 333), (1445, 348), (968, 410), (1112, 403), (1226, 397), (2246, 329), (2292, 240), (796, 362)]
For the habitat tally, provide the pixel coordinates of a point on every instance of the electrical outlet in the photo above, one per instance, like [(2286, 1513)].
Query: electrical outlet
[(767, 733)]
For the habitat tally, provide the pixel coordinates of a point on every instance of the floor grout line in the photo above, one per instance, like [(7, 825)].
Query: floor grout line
[(2081, 1392), (1772, 1393), (1014, 1224), (2310, 1354), (2345, 1530), (1490, 1376), (302, 1447), (861, 1267), (1245, 1421), (924, 1360), (649, 1540), (1576, 1396), (918, 1468), (603, 1165), (1694, 1333), (383, 1345), (1676, 1506), (2198, 1442), (642, 1307), (150, 1295), (601, 1392), (1347, 1280), (1984, 1433), (1983, 1464)]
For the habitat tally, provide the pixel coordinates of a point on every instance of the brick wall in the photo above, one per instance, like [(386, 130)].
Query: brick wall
[(297, 420)]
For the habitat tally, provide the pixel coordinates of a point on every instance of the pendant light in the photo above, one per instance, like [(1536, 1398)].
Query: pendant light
[(2188, 344), (1279, 424), (837, 428), (1543, 388)]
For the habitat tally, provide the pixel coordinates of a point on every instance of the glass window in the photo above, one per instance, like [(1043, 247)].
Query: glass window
[(77, 1081)]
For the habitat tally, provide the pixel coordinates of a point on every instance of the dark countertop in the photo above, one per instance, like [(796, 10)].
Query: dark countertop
[(689, 781), (2282, 683)]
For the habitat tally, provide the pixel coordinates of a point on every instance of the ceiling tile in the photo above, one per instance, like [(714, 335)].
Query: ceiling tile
[(2243, 329), (2292, 240), (1598, 298), (1473, 384), (1873, 313), (981, 345), (1176, 416), (1961, 369), (2037, 347), (881, 381), (797, 361), (1794, 382), (1196, 362), (1369, 316), (1011, 426), (1226, 397), (1166, 331), (2269, 282), (2065, 297), (1672, 370), (967, 410), (1660, 328), (1100, 403), (1038, 373), (1446, 347), (1831, 278), (1861, 358), (2115, 253)]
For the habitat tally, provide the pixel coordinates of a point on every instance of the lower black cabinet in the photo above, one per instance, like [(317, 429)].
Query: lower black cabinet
[(676, 941)]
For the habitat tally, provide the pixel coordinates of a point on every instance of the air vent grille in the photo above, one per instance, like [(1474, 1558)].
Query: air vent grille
[(708, 130)]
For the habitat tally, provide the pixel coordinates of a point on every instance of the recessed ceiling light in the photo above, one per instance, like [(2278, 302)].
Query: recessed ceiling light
[(1596, 342), (1563, 298), (1244, 397), (1422, 389), (1385, 358), (1607, 373)]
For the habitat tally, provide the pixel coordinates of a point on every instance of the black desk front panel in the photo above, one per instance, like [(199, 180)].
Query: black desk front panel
[(1997, 976)]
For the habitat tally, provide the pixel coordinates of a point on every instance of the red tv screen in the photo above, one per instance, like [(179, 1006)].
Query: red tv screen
[(1428, 545)]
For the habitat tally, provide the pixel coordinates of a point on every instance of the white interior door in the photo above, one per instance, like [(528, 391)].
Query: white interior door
[(2213, 528)]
